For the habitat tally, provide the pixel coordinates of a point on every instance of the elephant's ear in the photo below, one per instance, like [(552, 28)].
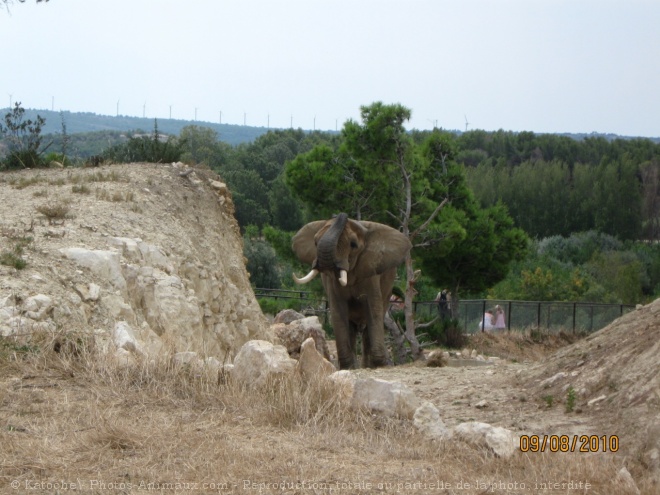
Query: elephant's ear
[(303, 242), (385, 248)]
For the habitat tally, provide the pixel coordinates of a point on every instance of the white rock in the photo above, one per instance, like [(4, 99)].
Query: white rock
[(88, 292), (501, 441), (259, 361), (427, 420), (124, 338), (596, 400), (37, 307), (311, 364), (153, 256), (554, 378), (128, 247), (104, 264), (482, 404), (344, 382), (218, 186), (386, 398)]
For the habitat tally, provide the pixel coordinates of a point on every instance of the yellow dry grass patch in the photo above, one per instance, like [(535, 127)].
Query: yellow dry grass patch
[(79, 420)]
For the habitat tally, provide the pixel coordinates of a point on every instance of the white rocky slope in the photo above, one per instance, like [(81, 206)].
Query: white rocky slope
[(148, 258)]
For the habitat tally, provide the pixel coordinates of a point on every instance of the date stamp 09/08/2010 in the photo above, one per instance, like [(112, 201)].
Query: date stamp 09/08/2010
[(569, 443)]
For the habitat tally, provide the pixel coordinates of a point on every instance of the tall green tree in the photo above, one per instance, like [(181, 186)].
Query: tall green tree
[(379, 172)]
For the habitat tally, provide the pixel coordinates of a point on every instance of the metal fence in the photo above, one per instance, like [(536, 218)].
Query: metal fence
[(545, 315), (519, 315)]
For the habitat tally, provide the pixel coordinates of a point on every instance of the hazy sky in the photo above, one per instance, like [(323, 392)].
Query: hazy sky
[(538, 65)]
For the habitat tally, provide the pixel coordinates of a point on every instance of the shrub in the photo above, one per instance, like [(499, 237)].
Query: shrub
[(148, 148), (23, 139), (54, 211)]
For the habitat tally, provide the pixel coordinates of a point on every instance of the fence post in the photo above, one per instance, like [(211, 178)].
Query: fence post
[(483, 314), (574, 316), (538, 316), (508, 318)]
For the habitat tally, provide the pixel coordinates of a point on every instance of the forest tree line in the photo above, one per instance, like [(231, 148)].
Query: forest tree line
[(596, 196)]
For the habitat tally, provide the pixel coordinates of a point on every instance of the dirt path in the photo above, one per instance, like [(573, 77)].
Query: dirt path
[(491, 394)]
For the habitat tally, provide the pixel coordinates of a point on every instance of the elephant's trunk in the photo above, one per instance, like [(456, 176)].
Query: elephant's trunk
[(326, 250)]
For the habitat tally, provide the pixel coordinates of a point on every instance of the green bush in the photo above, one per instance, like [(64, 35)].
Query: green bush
[(149, 148), (23, 140), (446, 333)]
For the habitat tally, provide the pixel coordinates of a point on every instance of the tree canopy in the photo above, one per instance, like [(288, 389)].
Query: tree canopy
[(379, 172)]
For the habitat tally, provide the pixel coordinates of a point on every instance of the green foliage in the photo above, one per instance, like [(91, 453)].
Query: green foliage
[(262, 263), (10, 258), (272, 306), (23, 138), (620, 273), (14, 257), (378, 172), (587, 266), (579, 247), (555, 185), (10, 348), (200, 145), (152, 148), (447, 333), (571, 399)]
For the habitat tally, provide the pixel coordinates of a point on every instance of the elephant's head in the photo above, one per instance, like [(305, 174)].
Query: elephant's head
[(341, 246)]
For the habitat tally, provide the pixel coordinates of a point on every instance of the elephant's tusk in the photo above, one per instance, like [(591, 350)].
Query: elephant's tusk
[(307, 278), (343, 277)]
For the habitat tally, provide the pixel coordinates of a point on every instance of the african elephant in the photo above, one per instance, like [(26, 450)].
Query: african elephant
[(357, 261)]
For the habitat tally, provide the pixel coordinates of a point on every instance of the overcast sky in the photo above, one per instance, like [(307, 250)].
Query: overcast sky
[(537, 65)]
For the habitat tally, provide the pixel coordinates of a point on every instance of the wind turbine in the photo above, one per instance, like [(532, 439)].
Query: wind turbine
[(466, 122)]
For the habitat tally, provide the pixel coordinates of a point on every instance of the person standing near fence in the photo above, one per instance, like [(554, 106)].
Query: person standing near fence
[(500, 323), (443, 299)]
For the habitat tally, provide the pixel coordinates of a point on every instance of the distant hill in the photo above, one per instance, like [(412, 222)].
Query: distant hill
[(114, 126), (84, 122)]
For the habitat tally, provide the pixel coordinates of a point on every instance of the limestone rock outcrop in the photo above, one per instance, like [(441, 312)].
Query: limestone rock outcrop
[(153, 261)]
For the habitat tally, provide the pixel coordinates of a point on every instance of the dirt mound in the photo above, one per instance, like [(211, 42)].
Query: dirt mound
[(613, 376)]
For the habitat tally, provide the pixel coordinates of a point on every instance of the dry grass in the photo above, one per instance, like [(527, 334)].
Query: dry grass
[(519, 345), (55, 211), (76, 416)]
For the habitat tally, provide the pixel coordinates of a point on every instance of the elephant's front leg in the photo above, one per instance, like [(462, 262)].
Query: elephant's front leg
[(376, 354), (339, 319)]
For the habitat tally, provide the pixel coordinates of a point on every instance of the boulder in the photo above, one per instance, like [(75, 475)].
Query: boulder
[(286, 316), (386, 398), (427, 420), (37, 307), (344, 382), (311, 364), (292, 336), (88, 292), (124, 337), (499, 440), (259, 362)]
